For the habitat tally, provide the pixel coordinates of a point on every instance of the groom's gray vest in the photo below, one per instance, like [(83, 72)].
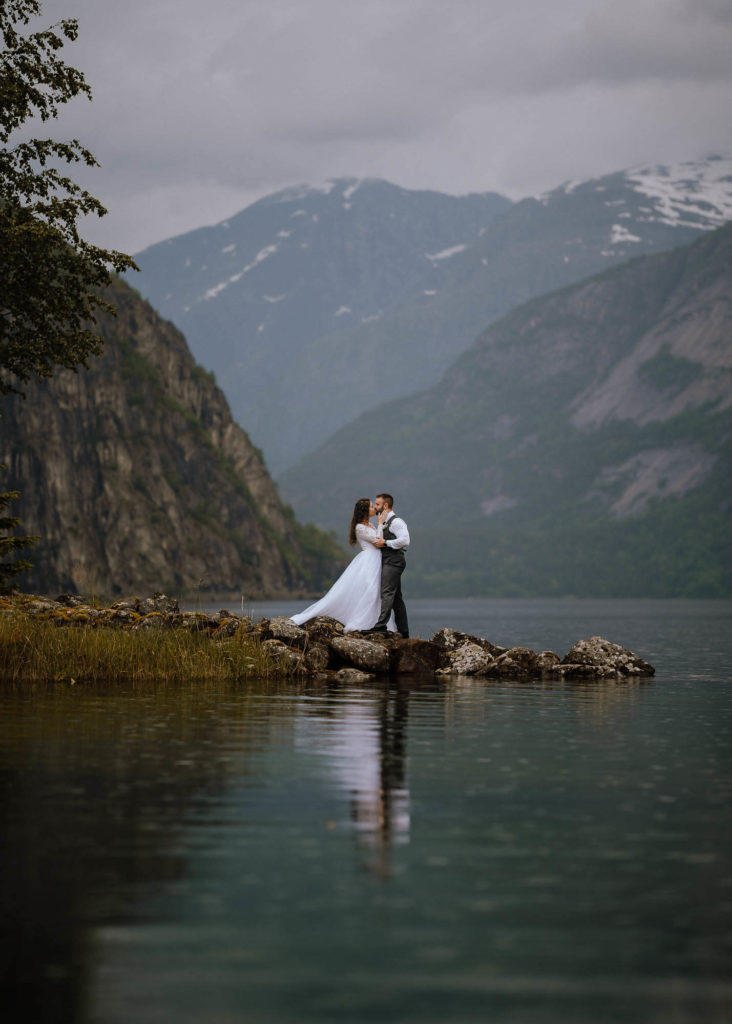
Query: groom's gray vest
[(390, 555)]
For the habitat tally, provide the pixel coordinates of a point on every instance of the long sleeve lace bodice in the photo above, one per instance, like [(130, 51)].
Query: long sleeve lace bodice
[(366, 535)]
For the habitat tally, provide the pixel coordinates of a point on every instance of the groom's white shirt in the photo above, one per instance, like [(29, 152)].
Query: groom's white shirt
[(401, 534)]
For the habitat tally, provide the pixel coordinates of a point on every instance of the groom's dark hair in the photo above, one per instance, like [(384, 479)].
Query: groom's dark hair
[(388, 500)]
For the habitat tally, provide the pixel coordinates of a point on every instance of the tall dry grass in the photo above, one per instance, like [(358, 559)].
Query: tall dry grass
[(33, 649)]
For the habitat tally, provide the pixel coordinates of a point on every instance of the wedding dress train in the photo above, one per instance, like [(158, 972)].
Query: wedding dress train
[(355, 597)]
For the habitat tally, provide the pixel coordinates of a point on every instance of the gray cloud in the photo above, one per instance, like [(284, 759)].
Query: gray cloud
[(201, 108)]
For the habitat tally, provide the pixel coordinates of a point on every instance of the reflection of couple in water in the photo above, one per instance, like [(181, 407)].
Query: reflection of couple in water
[(381, 811), (367, 597), (361, 740)]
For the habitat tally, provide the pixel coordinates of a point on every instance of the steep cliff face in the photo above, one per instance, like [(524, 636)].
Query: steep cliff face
[(135, 476)]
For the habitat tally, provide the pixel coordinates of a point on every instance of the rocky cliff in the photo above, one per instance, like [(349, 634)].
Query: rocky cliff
[(135, 476)]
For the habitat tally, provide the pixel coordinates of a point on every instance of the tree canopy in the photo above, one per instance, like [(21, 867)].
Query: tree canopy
[(49, 276)]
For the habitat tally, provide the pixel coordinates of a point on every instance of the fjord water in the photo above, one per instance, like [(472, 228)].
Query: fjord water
[(413, 850)]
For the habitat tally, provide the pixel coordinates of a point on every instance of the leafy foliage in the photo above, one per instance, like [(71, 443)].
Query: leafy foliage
[(8, 570), (49, 275), (666, 371)]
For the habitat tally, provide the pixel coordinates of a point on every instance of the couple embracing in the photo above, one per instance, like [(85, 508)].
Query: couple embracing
[(367, 597)]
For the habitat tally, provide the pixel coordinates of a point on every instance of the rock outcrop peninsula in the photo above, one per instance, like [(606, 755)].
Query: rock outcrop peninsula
[(321, 647)]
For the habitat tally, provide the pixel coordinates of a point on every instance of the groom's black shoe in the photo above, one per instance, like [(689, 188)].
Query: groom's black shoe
[(376, 629)]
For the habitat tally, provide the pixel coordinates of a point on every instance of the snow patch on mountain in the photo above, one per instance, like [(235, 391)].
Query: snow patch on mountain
[(213, 292), (262, 255), (445, 254), (621, 234), (696, 193)]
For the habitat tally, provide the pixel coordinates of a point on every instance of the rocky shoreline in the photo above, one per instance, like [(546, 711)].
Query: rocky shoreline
[(320, 646)]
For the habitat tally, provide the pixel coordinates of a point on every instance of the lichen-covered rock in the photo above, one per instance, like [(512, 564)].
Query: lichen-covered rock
[(39, 606), (602, 654), (197, 622), (123, 616), (517, 663), (229, 627), (158, 603), (577, 671), (317, 658), (353, 675), (291, 661), (363, 654), (547, 663), (152, 621), (414, 656), (322, 629), (466, 659), (84, 616), (280, 627), (451, 639)]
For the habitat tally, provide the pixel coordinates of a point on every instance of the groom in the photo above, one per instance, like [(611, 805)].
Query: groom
[(393, 544)]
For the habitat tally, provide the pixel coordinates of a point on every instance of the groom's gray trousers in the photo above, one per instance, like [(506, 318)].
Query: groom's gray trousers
[(392, 566)]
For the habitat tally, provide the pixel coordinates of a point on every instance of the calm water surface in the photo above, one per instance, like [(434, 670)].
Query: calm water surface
[(417, 851)]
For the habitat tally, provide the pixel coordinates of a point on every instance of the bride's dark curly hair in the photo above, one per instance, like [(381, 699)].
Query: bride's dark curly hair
[(360, 514)]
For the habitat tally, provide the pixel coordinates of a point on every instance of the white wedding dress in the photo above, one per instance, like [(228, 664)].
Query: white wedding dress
[(355, 597)]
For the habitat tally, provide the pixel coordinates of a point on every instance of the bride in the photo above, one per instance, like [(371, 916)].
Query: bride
[(355, 597)]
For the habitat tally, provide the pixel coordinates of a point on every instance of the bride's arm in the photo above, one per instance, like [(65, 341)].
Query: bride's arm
[(368, 532)]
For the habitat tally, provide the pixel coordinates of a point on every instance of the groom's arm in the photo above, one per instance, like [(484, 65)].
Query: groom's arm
[(401, 535)]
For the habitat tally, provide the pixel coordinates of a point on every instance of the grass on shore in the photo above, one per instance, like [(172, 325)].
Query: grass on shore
[(38, 650)]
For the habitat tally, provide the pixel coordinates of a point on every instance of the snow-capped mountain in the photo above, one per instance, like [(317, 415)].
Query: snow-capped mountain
[(257, 290), (316, 304), (695, 194)]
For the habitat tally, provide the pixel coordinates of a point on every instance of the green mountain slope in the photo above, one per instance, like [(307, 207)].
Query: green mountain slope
[(581, 446)]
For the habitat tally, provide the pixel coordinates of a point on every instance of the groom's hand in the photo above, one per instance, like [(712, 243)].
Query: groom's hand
[(379, 542)]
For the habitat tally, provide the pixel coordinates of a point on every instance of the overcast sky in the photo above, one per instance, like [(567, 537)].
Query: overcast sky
[(203, 106)]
